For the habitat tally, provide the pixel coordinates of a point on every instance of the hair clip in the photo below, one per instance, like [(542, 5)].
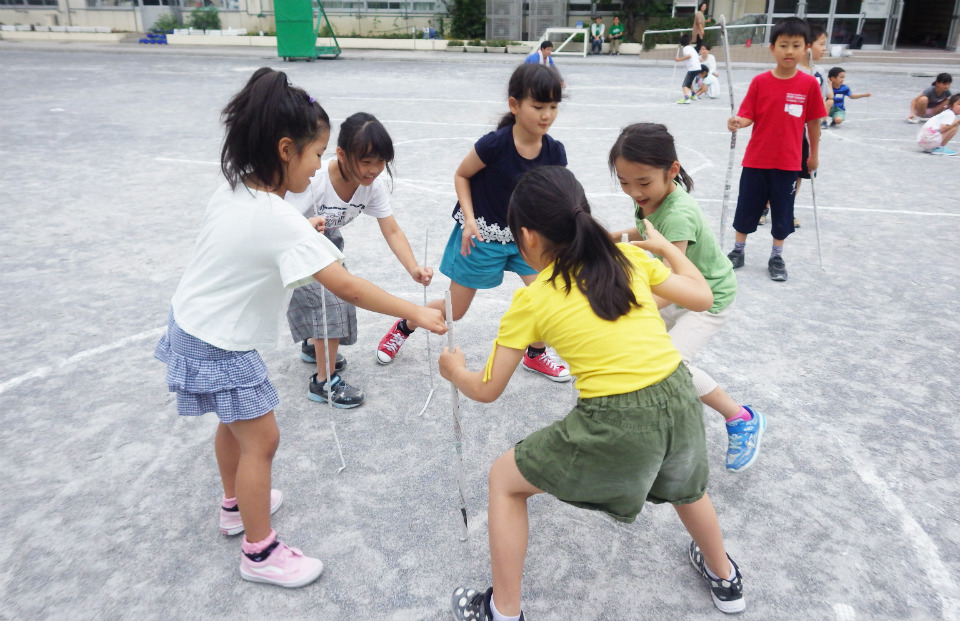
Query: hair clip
[(311, 99)]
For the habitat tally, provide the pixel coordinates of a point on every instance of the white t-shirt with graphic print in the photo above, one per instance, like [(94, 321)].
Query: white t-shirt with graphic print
[(321, 199)]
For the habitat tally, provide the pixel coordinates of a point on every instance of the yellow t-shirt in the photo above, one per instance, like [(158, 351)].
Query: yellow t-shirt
[(607, 357)]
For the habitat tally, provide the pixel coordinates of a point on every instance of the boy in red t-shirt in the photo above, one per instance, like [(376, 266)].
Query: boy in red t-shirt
[(778, 104)]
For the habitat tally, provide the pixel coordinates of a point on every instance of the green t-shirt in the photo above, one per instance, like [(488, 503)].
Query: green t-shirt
[(615, 30), (679, 218)]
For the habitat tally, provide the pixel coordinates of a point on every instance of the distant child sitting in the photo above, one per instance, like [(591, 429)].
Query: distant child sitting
[(932, 101), (708, 59), (691, 62), (709, 85), (636, 433), (778, 104), (841, 92), (938, 131)]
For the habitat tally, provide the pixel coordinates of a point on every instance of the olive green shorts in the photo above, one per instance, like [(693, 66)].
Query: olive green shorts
[(613, 453)]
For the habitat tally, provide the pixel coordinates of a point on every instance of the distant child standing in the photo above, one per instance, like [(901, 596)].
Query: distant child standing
[(778, 104), (636, 433), (644, 159), (932, 101), (481, 246), (841, 92), (253, 249), (941, 129), (691, 63), (341, 190)]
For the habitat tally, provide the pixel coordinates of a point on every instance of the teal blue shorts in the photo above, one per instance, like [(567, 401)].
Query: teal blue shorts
[(483, 268)]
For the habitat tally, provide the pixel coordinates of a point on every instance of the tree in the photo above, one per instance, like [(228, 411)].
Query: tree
[(467, 18), (636, 10)]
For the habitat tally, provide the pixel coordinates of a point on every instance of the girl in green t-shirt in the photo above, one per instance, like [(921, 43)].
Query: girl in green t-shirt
[(644, 158)]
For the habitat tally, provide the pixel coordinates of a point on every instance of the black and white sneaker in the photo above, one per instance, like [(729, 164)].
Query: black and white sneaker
[(777, 269), (727, 594), (344, 395), (309, 354), (472, 605), (763, 216)]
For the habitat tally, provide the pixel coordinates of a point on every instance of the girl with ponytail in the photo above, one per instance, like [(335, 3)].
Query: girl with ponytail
[(636, 433), (644, 160)]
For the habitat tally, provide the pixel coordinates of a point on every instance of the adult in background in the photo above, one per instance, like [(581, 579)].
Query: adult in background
[(596, 35), (616, 36), (699, 24)]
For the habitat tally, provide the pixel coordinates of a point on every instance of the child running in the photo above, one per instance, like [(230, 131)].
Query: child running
[(636, 433), (253, 249), (778, 103), (481, 247), (691, 63), (342, 189), (841, 92), (644, 159), (938, 131)]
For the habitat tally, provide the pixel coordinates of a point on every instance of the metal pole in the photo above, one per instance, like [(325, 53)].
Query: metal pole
[(457, 430), (733, 135), (426, 241)]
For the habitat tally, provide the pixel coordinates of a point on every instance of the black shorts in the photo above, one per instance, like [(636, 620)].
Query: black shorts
[(804, 154), (689, 78), (759, 185)]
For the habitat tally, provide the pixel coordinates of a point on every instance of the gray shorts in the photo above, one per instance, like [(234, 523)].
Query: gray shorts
[(305, 314), (613, 453)]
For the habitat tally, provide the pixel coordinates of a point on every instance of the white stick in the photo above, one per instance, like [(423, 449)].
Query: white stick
[(426, 242), (457, 431), (326, 363), (674, 72), (813, 189), (733, 135)]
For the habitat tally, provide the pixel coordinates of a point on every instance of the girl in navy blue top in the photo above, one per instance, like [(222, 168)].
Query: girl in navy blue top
[(481, 248)]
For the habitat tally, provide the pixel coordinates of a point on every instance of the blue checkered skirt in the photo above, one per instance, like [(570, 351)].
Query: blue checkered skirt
[(233, 384)]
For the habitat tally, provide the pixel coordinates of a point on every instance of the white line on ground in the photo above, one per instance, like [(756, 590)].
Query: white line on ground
[(844, 612), (44, 371), (181, 161), (927, 552)]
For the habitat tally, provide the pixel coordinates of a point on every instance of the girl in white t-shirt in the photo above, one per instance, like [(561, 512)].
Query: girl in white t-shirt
[(691, 62), (340, 190), (938, 131), (253, 249)]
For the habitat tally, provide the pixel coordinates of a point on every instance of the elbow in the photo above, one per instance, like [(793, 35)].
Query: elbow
[(703, 302)]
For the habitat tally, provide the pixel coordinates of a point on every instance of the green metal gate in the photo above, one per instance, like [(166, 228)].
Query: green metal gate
[(297, 34)]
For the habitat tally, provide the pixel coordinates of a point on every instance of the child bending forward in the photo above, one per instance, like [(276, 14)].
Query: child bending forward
[(636, 433)]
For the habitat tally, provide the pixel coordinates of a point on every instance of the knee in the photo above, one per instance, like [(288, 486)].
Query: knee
[(266, 445)]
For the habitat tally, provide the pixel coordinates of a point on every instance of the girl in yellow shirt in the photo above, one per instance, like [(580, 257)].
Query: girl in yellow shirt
[(636, 433)]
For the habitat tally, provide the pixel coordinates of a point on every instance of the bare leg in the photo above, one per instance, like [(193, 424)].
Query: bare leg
[(527, 279), (323, 354), (741, 237), (919, 105), (257, 440), (227, 450), (460, 299), (947, 136), (721, 402), (700, 520), (508, 529)]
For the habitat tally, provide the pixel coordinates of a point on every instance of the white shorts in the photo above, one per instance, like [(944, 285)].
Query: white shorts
[(929, 141)]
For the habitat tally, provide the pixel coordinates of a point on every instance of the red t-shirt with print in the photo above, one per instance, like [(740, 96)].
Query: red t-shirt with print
[(779, 109)]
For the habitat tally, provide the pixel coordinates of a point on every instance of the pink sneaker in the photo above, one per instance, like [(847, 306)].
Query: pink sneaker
[(544, 365), (390, 344), (230, 522), (281, 565)]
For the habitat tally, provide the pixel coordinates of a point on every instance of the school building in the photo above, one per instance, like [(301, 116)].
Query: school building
[(882, 24)]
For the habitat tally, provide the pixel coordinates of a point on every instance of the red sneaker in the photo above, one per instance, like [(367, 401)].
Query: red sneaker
[(545, 365), (390, 344)]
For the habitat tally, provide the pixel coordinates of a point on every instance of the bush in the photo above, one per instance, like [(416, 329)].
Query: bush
[(205, 18), (475, 43), (498, 43), (467, 18), (165, 24), (454, 43)]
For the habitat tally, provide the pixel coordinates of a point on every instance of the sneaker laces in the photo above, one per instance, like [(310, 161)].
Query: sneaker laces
[(549, 362), (396, 340)]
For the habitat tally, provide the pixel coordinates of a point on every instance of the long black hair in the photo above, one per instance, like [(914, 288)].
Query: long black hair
[(537, 82), (266, 110), (550, 201), (361, 136), (649, 144)]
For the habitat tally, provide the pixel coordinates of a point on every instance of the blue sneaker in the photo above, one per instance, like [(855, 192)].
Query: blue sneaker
[(743, 437), (946, 151)]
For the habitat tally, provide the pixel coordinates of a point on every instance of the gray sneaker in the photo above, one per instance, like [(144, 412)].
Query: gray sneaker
[(344, 395), (777, 269), (736, 257)]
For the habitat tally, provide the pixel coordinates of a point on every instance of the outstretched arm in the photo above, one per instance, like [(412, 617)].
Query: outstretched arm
[(858, 96), (453, 367), (401, 249)]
